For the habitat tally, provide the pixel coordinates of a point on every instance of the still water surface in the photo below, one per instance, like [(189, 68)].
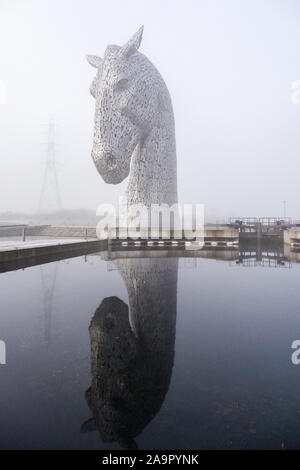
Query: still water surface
[(200, 360)]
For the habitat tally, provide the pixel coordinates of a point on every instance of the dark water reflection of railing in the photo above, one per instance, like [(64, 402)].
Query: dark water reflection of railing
[(265, 255)]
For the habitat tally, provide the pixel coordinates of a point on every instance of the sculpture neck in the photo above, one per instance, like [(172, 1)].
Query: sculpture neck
[(153, 175)]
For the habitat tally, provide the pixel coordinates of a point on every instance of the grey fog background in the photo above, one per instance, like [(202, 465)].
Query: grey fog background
[(229, 66)]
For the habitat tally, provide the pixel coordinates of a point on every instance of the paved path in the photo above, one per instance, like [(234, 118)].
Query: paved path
[(10, 245)]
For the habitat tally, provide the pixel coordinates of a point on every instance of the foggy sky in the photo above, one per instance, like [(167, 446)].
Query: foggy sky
[(229, 66)]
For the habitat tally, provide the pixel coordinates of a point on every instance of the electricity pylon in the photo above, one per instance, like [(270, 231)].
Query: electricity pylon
[(50, 199)]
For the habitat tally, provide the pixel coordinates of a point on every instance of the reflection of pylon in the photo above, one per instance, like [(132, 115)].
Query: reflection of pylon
[(190, 263), (48, 277), (50, 199)]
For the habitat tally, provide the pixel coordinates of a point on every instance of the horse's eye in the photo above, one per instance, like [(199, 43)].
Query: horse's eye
[(122, 84)]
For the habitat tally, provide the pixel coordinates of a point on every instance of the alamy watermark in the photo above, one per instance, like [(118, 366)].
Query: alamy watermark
[(159, 221), (295, 358), (2, 352)]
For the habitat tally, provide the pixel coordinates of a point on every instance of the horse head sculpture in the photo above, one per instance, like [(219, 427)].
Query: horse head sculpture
[(134, 124)]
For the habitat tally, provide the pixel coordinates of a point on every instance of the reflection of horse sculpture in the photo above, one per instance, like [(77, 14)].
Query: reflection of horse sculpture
[(134, 133), (134, 125), (132, 363)]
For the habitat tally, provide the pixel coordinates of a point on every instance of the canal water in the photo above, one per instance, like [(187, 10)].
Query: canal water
[(154, 353)]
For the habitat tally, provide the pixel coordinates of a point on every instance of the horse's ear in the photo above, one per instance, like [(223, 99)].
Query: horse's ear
[(94, 60), (133, 44)]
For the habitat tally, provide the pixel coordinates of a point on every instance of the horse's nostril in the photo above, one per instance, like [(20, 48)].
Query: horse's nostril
[(109, 159)]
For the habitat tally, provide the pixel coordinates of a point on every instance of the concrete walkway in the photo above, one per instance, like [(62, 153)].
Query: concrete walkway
[(10, 245)]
